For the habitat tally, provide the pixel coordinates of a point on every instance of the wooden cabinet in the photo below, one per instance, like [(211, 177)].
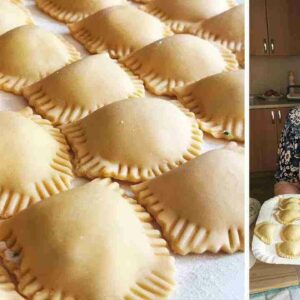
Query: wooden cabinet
[(265, 131), (274, 27)]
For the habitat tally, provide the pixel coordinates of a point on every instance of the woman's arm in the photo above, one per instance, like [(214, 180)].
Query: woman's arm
[(287, 174)]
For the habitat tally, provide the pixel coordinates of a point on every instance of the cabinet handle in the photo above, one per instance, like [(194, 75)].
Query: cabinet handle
[(273, 117), (272, 45), (279, 116), (265, 46)]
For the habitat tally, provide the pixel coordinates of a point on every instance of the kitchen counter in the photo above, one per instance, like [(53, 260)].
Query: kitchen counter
[(257, 103)]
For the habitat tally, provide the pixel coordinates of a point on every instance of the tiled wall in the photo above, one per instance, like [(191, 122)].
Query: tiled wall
[(272, 73)]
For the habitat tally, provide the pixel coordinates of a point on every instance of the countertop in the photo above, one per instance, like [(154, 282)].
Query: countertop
[(257, 103)]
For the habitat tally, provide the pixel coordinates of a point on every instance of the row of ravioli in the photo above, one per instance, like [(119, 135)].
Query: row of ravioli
[(286, 213)]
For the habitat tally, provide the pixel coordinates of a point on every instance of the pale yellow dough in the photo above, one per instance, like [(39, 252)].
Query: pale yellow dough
[(291, 233), (134, 139), (288, 250), (218, 103), (199, 206), (179, 14), (265, 231), (81, 88), (227, 29), (89, 243), (7, 288), (120, 30), (35, 162), (293, 201), (179, 60), (12, 16), (29, 53), (287, 216), (73, 11)]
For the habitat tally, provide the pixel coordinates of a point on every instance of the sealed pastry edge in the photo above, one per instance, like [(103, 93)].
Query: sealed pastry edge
[(43, 104), (178, 26), (181, 230), (282, 254), (155, 282), (260, 236), (15, 85), (61, 164), (228, 129), (99, 45), (160, 86), (95, 168)]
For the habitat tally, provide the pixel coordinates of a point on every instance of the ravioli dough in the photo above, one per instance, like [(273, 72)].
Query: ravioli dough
[(35, 162), (289, 206), (291, 233), (265, 231), (134, 139), (199, 206), (226, 29), (178, 60), (288, 249), (218, 103), (287, 201), (12, 16), (29, 53), (120, 30), (73, 11), (287, 216), (7, 288), (181, 13), (82, 250), (78, 89)]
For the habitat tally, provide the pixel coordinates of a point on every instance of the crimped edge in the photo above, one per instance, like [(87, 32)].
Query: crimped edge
[(160, 86), (98, 45), (280, 220), (13, 202), (231, 129), (156, 283), (94, 166), (184, 236), (15, 84), (282, 254), (260, 236), (55, 11), (7, 285), (284, 238), (178, 26), (65, 113)]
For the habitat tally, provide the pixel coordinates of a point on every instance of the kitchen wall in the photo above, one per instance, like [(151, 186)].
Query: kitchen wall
[(272, 73)]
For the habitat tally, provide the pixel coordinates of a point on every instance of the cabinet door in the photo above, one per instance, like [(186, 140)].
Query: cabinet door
[(263, 140), (258, 28), (281, 117), (283, 26)]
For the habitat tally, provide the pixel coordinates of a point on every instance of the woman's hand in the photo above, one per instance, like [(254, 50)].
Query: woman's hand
[(284, 187)]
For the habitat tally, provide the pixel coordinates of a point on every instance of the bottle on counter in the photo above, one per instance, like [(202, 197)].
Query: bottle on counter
[(291, 79)]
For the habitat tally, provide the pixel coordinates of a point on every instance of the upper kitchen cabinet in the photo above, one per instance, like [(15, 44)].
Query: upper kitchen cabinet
[(274, 26), (258, 28)]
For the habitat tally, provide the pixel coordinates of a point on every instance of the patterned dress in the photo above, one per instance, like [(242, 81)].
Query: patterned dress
[(289, 149)]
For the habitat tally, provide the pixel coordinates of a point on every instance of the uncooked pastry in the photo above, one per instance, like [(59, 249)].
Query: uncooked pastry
[(78, 89), (265, 231), (179, 14), (283, 203), (287, 216), (12, 15), (291, 233), (134, 139), (178, 60), (218, 103), (199, 206), (120, 30), (288, 249), (226, 29), (89, 243), (73, 11), (29, 53), (35, 161)]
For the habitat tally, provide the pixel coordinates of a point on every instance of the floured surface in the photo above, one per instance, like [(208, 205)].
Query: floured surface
[(200, 277), (267, 253)]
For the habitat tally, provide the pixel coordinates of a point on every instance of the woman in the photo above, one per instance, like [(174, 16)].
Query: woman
[(287, 174)]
